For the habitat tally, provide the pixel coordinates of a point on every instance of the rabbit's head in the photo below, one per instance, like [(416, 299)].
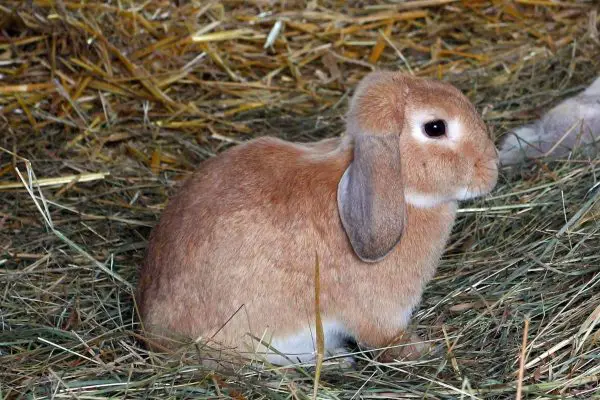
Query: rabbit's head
[(417, 142)]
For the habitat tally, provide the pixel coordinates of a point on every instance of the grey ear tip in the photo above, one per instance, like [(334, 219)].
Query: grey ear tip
[(373, 254), (369, 258)]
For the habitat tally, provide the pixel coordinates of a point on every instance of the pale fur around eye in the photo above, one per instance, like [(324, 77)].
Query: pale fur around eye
[(454, 129)]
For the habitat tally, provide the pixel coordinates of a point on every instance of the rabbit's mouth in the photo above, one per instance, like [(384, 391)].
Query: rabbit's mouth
[(483, 180)]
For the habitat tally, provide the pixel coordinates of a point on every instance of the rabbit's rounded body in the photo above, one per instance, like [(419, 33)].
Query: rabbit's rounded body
[(234, 254), (251, 286)]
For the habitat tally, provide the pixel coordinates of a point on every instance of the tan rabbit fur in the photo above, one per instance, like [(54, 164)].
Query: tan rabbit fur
[(376, 206)]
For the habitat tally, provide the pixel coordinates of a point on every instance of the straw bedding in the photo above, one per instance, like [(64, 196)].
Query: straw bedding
[(105, 106)]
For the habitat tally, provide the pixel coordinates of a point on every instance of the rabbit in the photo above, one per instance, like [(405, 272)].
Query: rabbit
[(232, 259), (572, 124)]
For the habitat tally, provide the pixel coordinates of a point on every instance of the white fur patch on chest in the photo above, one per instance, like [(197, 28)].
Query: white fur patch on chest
[(301, 347)]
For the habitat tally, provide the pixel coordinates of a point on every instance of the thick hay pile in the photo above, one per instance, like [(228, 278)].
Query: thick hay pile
[(145, 90)]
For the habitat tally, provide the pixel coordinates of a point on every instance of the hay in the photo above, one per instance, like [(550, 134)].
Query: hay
[(113, 103)]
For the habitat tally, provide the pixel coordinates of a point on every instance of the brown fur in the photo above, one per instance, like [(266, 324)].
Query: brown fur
[(245, 228)]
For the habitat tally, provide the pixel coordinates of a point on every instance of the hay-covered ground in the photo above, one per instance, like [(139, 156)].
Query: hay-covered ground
[(129, 96)]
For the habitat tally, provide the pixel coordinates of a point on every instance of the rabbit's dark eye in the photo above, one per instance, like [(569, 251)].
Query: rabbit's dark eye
[(435, 128)]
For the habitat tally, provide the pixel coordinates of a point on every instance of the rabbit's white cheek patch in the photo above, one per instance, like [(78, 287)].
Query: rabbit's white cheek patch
[(422, 200), (465, 194)]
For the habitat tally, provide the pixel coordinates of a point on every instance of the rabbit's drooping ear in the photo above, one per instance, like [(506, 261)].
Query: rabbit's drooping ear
[(370, 192)]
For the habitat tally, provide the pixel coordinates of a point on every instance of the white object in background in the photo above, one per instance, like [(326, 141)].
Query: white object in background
[(573, 124)]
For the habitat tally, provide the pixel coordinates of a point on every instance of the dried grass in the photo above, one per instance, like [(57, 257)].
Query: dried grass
[(114, 102)]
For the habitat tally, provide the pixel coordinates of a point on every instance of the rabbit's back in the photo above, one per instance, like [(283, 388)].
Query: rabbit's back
[(227, 234)]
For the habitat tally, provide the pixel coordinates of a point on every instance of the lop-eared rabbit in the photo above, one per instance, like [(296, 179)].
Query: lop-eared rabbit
[(233, 256)]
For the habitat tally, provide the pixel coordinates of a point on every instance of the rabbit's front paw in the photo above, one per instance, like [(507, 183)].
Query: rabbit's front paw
[(406, 347)]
